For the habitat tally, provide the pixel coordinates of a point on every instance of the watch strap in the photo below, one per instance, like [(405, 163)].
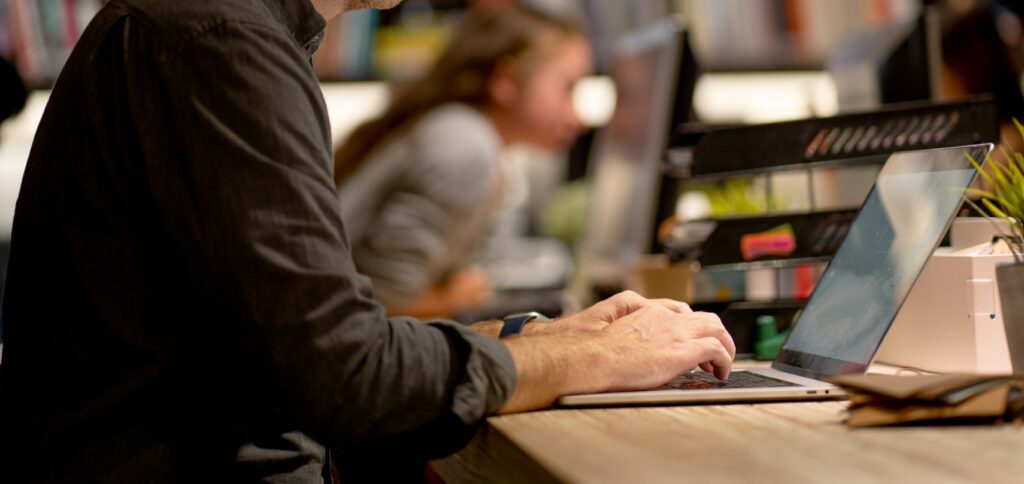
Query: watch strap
[(514, 323)]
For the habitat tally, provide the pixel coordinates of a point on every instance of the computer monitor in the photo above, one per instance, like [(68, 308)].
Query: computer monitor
[(655, 72)]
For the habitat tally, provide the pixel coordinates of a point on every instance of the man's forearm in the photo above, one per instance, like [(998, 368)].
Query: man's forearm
[(489, 328), (548, 366)]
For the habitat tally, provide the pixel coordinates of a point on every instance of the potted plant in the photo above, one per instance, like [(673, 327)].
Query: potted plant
[(1003, 197)]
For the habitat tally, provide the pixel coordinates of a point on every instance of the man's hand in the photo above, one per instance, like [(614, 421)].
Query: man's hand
[(646, 347), (602, 314), (654, 345)]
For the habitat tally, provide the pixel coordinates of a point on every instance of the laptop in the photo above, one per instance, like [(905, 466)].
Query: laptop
[(902, 221)]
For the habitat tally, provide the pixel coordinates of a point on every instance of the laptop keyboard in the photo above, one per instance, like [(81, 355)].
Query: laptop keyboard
[(699, 380)]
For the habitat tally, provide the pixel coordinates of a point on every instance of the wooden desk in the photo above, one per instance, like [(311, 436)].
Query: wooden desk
[(778, 442)]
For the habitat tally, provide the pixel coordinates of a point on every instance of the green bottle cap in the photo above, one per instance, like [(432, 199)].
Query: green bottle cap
[(766, 327)]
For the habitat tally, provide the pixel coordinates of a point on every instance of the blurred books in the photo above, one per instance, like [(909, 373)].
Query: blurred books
[(367, 45), (745, 35), (347, 48), (38, 35)]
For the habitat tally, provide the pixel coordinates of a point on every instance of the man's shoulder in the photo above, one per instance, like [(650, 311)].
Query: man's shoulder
[(181, 20)]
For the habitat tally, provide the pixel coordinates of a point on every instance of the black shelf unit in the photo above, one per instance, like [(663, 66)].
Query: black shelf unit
[(846, 139)]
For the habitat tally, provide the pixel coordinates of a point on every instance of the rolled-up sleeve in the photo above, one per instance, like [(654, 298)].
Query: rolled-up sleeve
[(241, 181)]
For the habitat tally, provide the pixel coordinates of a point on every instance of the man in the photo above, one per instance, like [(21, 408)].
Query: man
[(182, 305)]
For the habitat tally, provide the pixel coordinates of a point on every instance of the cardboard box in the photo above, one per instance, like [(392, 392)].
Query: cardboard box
[(654, 277)]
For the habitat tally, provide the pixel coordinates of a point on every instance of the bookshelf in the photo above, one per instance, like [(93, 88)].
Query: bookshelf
[(728, 35), (345, 52), (782, 35), (39, 34), (390, 45)]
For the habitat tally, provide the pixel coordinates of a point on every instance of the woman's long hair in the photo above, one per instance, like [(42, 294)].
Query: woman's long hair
[(485, 40)]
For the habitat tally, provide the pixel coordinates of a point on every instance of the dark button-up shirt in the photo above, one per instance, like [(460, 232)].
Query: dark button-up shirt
[(181, 301)]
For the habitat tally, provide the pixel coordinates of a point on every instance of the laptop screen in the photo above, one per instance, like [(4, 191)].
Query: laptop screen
[(900, 224)]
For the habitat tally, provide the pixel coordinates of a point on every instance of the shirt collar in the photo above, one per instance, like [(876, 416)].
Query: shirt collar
[(301, 19)]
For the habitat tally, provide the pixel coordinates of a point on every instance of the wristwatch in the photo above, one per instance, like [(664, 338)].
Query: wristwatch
[(514, 323)]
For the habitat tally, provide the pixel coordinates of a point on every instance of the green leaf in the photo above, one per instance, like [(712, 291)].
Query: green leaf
[(999, 171), (977, 166), (1014, 228), (979, 192), (992, 208)]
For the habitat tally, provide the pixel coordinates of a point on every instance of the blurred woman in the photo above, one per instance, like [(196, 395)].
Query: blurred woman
[(419, 185)]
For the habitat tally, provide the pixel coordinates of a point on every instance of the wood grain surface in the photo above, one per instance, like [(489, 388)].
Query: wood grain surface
[(776, 442)]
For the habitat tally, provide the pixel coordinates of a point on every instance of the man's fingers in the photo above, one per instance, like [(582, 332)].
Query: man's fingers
[(708, 367), (628, 302), (675, 306), (702, 325), (618, 306), (712, 352), (689, 326), (712, 326)]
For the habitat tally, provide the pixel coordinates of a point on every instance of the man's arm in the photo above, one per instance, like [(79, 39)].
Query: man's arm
[(241, 184)]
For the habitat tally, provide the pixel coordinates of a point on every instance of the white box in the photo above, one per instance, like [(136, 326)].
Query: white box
[(952, 320)]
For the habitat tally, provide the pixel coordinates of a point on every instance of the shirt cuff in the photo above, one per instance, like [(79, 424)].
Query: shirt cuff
[(487, 377)]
